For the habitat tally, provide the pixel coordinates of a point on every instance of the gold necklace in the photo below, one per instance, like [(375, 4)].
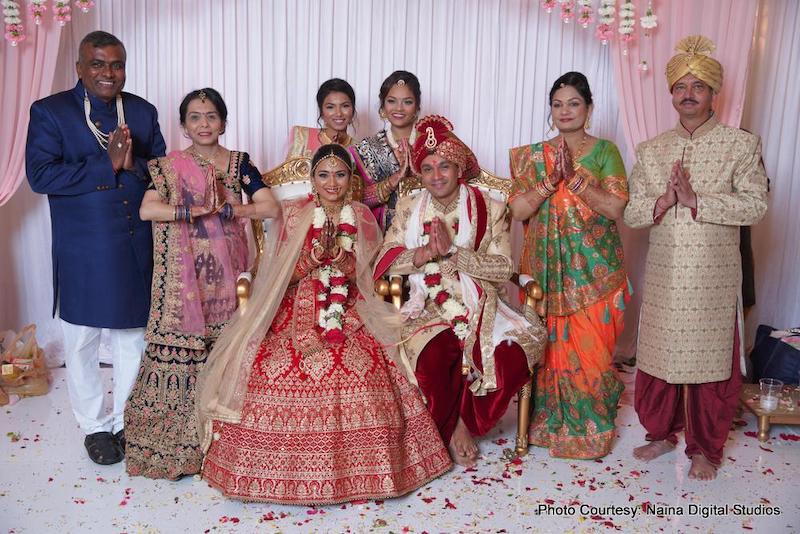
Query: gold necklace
[(326, 139), (206, 161), (579, 152), (332, 211)]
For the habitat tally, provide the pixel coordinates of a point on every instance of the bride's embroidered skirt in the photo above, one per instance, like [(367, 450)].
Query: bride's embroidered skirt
[(324, 423)]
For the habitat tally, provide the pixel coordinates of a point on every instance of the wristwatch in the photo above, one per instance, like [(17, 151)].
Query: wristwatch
[(450, 252)]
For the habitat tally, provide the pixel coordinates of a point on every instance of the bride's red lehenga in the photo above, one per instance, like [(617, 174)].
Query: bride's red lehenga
[(324, 423)]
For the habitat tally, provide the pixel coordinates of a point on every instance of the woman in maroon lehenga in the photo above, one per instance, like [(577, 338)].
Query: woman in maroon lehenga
[(301, 403)]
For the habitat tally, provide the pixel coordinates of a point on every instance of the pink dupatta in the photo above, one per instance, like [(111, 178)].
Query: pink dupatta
[(205, 256)]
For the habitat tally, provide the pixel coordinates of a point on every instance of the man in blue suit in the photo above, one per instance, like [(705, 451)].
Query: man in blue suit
[(87, 151)]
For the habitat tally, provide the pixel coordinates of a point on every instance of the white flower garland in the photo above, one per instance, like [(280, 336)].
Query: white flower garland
[(649, 20), (606, 11), (605, 20), (453, 310), (627, 18), (333, 289)]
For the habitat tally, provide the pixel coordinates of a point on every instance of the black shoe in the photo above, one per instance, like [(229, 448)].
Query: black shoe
[(120, 437), (102, 448)]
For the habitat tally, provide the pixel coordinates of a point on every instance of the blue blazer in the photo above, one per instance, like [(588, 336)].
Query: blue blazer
[(102, 250)]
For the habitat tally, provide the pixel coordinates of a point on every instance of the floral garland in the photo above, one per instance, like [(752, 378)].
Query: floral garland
[(84, 5), (15, 31), (585, 17), (649, 20), (606, 13), (61, 11), (38, 8), (567, 10), (332, 286), (627, 19), (453, 310)]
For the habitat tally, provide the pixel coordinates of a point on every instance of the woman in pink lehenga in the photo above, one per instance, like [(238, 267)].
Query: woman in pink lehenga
[(300, 402), (199, 249)]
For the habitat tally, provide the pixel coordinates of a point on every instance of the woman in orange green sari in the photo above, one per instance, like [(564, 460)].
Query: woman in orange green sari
[(569, 191)]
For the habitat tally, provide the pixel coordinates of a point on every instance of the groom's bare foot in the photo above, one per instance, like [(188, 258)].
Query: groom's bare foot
[(652, 450), (462, 447), (702, 469)]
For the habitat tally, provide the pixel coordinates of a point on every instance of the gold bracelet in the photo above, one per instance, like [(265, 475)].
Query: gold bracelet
[(543, 189), (581, 187)]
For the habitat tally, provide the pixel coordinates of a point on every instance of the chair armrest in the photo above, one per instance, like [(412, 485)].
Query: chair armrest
[(243, 285), (534, 296), (391, 286)]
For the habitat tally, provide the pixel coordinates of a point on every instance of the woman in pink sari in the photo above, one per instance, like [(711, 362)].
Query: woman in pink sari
[(199, 249)]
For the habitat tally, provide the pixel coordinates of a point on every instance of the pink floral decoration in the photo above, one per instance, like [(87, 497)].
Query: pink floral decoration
[(15, 33), (61, 12), (84, 5), (568, 11), (604, 32), (37, 10), (585, 18)]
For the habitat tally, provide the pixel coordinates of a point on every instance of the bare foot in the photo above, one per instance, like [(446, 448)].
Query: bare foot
[(462, 447), (702, 469), (652, 450)]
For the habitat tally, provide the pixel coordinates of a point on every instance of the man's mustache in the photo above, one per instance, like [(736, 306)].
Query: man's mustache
[(692, 100)]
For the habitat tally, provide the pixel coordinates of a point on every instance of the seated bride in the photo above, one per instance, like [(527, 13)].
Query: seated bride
[(301, 401)]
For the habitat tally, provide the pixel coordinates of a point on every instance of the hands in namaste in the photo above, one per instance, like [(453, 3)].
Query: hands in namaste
[(403, 155), (439, 243), (120, 148), (679, 191), (328, 240), (563, 168)]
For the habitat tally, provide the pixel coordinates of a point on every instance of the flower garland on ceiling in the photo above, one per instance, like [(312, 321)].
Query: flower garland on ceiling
[(38, 8), (585, 16), (567, 10), (15, 32), (62, 13), (627, 20), (606, 14), (605, 30)]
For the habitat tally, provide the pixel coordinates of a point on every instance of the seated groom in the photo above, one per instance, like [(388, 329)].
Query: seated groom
[(453, 242)]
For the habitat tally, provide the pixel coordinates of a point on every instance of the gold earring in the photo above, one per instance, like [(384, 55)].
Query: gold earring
[(588, 123), (550, 123), (314, 191)]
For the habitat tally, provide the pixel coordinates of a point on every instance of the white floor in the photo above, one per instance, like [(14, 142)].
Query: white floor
[(47, 484)]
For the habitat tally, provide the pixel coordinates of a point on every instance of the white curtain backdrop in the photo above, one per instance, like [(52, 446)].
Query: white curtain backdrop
[(772, 111), (486, 65)]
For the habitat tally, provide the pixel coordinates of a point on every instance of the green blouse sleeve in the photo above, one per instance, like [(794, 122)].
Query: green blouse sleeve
[(612, 171)]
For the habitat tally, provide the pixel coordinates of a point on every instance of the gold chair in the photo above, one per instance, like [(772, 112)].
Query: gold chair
[(392, 287)]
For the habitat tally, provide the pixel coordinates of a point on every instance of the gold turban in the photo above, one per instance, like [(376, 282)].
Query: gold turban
[(692, 58)]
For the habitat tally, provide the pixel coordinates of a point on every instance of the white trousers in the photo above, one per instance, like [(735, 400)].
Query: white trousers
[(84, 382)]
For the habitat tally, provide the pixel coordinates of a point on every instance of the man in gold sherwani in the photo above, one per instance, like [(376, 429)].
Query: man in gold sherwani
[(453, 241), (695, 185)]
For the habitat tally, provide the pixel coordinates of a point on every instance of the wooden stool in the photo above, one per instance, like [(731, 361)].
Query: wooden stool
[(780, 415)]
